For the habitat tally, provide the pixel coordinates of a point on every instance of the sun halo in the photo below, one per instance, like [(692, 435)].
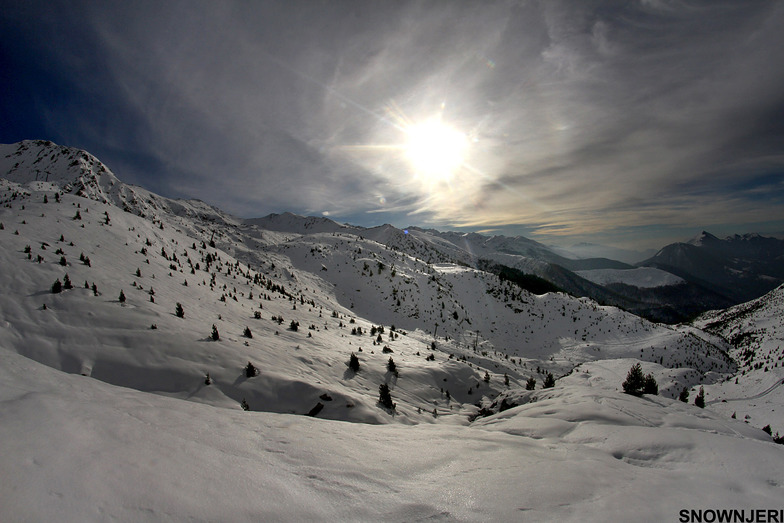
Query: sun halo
[(435, 150)]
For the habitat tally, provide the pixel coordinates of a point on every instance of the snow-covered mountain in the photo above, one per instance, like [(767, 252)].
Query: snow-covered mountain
[(740, 268), (592, 250), (642, 277), (128, 320), (756, 332)]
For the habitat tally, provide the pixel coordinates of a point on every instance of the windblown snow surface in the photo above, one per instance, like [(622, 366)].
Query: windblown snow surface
[(107, 412)]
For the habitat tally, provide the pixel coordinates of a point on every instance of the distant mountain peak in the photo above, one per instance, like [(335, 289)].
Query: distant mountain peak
[(703, 238)]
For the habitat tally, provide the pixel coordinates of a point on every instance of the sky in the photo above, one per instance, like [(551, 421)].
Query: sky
[(627, 123)]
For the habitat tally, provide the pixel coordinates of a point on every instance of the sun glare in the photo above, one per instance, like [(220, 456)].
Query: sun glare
[(436, 150)]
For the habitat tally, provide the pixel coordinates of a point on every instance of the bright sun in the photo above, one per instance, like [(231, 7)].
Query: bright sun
[(435, 150)]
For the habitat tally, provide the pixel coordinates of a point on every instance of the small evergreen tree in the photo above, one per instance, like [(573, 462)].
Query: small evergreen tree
[(684, 395), (67, 284), (353, 362), (122, 297), (635, 381), (549, 381), (650, 386), (247, 333), (487, 377), (63, 261), (700, 399), (244, 405), (179, 311), (207, 379), (57, 286), (530, 384), (294, 325), (384, 397), (215, 336), (251, 370), (391, 367)]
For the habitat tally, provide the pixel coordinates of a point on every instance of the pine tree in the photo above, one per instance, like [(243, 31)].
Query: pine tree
[(251, 370), (684, 395), (384, 397), (247, 333), (215, 336), (353, 362), (67, 283), (179, 311), (549, 381), (700, 399), (650, 386), (391, 367), (57, 286), (635, 381), (244, 405), (122, 297), (530, 384)]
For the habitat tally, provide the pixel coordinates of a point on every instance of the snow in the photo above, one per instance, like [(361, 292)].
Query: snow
[(105, 417), (643, 277), (757, 327), (77, 449)]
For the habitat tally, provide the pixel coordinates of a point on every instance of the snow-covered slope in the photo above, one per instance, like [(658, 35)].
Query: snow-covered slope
[(77, 449), (756, 332), (643, 277), (109, 364)]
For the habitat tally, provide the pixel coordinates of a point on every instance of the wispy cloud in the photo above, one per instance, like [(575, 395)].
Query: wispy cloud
[(584, 117)]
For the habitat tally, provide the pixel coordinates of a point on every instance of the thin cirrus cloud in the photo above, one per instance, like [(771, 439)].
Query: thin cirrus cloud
[(583, 118)]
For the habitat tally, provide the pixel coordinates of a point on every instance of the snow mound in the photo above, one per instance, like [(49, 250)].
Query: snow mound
[(579, 452)]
